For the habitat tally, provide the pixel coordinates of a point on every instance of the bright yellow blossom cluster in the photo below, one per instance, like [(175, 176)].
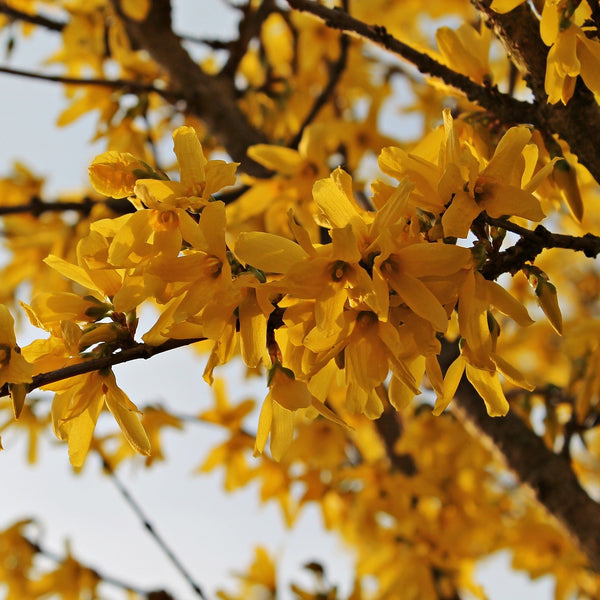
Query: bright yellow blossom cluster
[(363, 309)]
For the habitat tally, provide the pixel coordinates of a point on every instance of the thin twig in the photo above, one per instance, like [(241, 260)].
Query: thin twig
[(19, 15), (114, 581), (126, 85), (141, 515), (140, 350), (335, 73), (531, 244), (248, 28)]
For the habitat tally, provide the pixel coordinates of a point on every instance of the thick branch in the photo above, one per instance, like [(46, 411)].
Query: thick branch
[(578, 123), (140, 350), (506, 108), (210, 98), (549, 475)]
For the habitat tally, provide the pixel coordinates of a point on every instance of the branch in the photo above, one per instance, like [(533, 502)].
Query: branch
[(140, 350), (139, 512), (125, 85), (389, 427), (248, 28), (550, 476), (210, 98), (531, 244), (335, 73), (15, 14), (109, 579), (578, 123), (37, 206), (502, 105)]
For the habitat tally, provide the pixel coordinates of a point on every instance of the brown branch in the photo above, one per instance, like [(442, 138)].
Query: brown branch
[(150, 528), (125, 85), (210, 98), (519, 31), (335, 73), (549, 475), (389, 427), (506, 108), (36, 206), (140, 350), (578, 123), (595, 8), (19, 15), (531, 244), (248, 28)]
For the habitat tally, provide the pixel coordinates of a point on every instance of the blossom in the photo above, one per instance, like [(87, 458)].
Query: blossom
[(462, 184), (76, 408), (14, 369)]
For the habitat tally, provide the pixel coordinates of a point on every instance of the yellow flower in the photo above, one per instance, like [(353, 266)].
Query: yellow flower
[(76, 408), (466, 50), (467, 184), (14, 369)]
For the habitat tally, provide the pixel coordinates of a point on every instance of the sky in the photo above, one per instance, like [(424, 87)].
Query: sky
[(211, 532)]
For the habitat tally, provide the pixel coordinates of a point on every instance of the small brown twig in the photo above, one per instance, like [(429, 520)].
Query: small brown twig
[(531, 244), (140, 350)]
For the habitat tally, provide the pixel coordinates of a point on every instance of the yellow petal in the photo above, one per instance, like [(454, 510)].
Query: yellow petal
[(420, 299), (507, 156), (253, 330), (282, 430), (344, 245), (18, 391), (112, 173), (190, 157), (451, 381), (511, 200), (268, 252), (433, 260), (504, 6), (212, 224), (401, 394), (458, 217), (548, 300), (71, 271), (488, 387), (219, 174), (130, 424), (333, 197), (512, 373), (264, 425), (277, 158), (127, 417), (505, 302), (135, 9), (80, 430)]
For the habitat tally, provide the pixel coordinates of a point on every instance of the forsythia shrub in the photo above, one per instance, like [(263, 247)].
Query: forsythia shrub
[(406, 301)]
